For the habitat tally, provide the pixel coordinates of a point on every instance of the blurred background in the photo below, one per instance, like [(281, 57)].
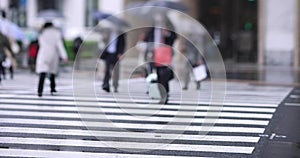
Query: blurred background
[(258, 39)]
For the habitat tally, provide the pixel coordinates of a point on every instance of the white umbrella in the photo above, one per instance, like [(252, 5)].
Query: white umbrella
[(185, 24), (11, 29)]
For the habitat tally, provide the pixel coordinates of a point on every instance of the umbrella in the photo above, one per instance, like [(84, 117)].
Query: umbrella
[(167, 4), (153, 8), (11, 29), (50, 14), (113, 19)]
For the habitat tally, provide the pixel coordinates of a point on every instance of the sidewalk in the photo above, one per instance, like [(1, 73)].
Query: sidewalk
[(239, 72), (236, 72)]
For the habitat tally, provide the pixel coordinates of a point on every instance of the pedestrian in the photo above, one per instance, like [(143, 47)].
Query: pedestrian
[(162, 55), (192, 60), (111, 55), (15, 45), (32, 54), (76, 46), (51, 49), (148, 55), (5, 53), (141, 47)]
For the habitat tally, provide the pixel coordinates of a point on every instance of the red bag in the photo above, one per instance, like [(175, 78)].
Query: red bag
[(163, 55), (32, 50)]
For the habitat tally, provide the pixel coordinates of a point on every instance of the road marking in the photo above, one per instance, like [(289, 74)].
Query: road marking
[(129, 145), (182, 119), (72, 102), (74, 154), (136, 126), (140, 113), (294, 96), (139, 106), (292, 104), (272, 136), (132, 135)]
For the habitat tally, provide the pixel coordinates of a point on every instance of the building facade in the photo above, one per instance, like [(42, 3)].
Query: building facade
[(265, 32)]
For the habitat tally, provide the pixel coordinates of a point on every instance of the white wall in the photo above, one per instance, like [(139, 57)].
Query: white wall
[(3, 4), (112, 6), (280, 29), (74, 12), (31, 9)]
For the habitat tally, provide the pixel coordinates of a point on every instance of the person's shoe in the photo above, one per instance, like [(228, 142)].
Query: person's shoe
[(116, 91), (185, 88), (106, 89), (40, 94), (53, 91), (164, 100)]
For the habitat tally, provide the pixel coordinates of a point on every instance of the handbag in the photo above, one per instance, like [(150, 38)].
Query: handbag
[(163, 55), (200, 72)]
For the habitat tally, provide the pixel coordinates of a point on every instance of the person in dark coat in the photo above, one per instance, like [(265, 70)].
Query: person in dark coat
[(164, 73), (111, 55), (76, 46)]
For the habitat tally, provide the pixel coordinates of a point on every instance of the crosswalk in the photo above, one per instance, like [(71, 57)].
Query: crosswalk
[(56, 126)]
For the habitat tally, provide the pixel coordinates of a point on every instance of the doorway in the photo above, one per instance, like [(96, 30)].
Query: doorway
[(233, 26)]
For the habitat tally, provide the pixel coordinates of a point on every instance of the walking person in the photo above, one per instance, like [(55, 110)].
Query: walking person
[(193, 59), (111, 55), (76, 46), (51, 49), (32, 54), (162, 53), (5, 52)]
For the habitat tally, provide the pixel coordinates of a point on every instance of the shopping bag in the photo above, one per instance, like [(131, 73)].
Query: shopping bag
[(153, 86), (154, 92), (200, 72), (163, 55), (6, 63)]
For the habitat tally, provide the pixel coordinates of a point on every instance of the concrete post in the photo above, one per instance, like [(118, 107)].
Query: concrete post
[(279, 32), (3, 4), (297, 35), (261, 32), (31, 9)]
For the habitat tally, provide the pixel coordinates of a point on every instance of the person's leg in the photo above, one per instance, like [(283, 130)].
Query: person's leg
[(3, 71), (77, 63), (198, 85), (162, 79), (52, 83), (105, 85), (11, 71), (30, 64), (41, 83), (116, 76), (186, 77)]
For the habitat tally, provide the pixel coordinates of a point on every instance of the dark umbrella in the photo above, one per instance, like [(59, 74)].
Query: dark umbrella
[(50, 14), (113, 19)]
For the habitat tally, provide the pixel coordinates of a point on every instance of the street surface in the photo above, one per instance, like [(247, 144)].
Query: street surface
[(246, 125)]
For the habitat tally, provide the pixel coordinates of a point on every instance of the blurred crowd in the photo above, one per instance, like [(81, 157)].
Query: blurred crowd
[(157, 45)]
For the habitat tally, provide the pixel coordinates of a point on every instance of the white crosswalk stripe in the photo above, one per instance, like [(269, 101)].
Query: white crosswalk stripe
[(52, 126)]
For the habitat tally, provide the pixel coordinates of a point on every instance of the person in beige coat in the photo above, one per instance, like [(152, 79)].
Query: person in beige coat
[(50, 51)]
